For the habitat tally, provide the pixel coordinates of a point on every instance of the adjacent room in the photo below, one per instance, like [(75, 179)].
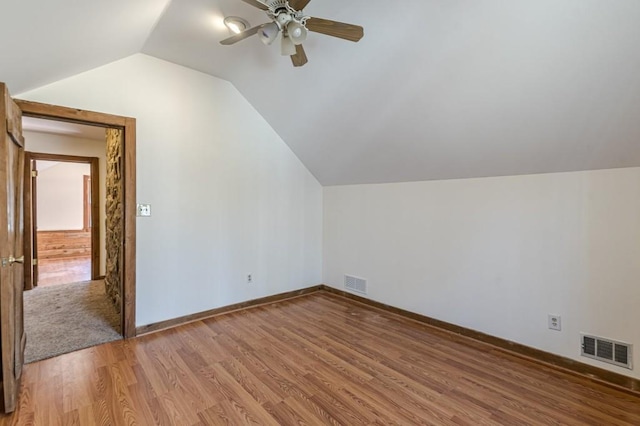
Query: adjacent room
[(63, 223), (318, 212), (66, 306)]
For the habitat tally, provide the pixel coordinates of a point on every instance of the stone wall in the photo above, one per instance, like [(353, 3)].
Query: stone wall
[(114, 231)]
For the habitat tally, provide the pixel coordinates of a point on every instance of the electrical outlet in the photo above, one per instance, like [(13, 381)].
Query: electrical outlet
[(144, 210), (249, 278), (555, 322)]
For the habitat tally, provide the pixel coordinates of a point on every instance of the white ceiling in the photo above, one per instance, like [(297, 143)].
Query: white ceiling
[(43, 41), (434, 90), (42, 165), (73, 130)]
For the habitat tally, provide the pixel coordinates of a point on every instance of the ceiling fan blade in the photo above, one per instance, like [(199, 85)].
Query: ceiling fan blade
[(241, 36), (298, 4), (300, 58), (256, 3), (335, 29)]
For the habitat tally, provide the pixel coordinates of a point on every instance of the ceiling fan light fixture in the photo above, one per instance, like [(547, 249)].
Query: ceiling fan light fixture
[(287, 47), (268, 33), (292, 26), (236, 24), (297, 32)]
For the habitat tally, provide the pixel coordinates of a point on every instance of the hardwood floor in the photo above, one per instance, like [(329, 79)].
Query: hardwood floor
[(63, 271), (315, 359)]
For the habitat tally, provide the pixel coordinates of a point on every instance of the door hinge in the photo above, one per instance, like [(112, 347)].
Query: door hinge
[(34, 262), (34, 173)]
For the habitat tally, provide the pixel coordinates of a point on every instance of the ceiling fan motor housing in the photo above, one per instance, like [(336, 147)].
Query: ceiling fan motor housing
[(275, 5), (283, 18)]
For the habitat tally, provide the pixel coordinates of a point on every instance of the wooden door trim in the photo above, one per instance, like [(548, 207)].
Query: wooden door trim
[(95, 201), (29, 228), (87, 195), (60, 113), (36, 109)]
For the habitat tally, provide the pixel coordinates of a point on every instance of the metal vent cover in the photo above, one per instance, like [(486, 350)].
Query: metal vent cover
[(607, 350), (356, 284)]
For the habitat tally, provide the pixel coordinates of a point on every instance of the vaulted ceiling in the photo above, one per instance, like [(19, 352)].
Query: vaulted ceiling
[(435, 89)]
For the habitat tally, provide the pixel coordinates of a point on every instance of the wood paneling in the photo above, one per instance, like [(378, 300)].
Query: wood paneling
[(315, 359), (64, 244), (36, 109)]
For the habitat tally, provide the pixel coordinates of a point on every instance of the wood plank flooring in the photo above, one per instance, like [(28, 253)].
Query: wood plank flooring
[(63, 271), (315, 359)]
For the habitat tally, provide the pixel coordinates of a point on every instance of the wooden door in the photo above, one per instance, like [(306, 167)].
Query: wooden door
[(12, 337)]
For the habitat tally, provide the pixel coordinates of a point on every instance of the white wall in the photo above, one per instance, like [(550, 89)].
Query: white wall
[(499, 254), (228, 196), (60, 196), (47, 143)]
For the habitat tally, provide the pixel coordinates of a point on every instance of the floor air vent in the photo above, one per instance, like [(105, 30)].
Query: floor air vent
[(607, 350), (356, 284)]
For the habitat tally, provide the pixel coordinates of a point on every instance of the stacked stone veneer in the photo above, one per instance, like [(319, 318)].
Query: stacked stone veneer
[(114, 222)]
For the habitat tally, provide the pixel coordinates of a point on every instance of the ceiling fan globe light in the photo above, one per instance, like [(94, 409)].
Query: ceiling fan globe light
[(269, 33), (297, 32), (288, 48)]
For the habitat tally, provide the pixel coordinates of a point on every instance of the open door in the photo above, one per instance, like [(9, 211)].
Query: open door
[(12, 337)]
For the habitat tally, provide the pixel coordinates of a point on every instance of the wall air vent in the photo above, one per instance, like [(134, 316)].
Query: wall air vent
[(359, 285), (607, 350)]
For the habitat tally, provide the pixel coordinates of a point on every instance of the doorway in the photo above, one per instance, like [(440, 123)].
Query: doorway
[(65, 214), (126, 159), (66, 306), (16, 249)]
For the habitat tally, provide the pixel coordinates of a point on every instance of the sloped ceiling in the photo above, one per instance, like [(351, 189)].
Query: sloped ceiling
[(43, 41), (435, 89)]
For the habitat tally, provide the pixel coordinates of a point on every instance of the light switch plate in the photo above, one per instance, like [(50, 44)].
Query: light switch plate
[(144, 210)]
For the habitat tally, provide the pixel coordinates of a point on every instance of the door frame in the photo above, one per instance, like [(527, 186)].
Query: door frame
[(30, 212), (30, 220), (87, 199), (128, 125)]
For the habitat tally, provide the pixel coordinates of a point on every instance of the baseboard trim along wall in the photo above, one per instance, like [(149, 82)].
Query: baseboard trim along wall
[(595, 374), (599, 375), (162, 325)]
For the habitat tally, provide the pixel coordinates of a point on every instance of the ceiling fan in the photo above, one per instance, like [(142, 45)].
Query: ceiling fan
[(292, 25)]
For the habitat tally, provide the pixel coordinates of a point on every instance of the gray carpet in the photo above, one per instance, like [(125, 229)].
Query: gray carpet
[(67, 317)]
